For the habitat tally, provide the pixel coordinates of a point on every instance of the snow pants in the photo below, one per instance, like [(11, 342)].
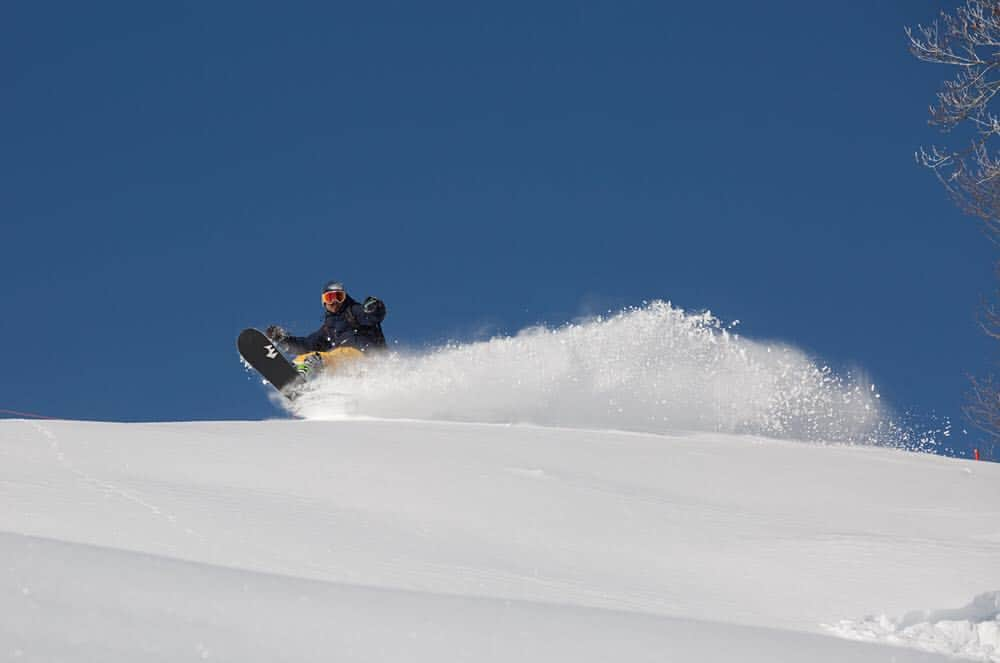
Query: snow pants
[(332, 359)]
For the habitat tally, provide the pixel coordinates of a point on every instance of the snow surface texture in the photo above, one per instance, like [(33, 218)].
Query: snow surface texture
[(972, 631), (653, 369), (422, 541)]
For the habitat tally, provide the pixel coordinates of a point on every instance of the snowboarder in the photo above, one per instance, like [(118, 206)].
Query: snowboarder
[(349, 330)]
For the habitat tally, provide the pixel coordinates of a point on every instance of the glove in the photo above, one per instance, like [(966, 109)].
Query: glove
[(372, 305), (276, 333)]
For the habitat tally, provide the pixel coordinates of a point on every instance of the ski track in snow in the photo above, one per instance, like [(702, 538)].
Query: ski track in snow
[(105, 487)]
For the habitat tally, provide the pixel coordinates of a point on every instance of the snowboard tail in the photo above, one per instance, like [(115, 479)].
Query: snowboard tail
[(264, 356)]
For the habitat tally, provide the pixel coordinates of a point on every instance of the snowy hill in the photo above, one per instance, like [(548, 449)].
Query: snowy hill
[(647, 486), (402, 540)]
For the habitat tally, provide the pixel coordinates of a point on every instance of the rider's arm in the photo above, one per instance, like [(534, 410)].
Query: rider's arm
[(314, 342)]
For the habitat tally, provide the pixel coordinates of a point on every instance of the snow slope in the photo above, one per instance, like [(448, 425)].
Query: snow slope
[(404, 540)]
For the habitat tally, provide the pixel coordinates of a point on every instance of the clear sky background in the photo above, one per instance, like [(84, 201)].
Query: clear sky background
[(172, 173)]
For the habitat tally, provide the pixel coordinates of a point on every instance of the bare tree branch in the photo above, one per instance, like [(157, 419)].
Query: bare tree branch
[(968, 40), (983, 407)]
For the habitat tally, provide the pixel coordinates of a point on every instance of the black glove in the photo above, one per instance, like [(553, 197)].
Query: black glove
[(276, 333), (373, 305)]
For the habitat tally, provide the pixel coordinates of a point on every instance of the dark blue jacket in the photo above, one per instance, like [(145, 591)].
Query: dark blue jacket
[(349, 327)]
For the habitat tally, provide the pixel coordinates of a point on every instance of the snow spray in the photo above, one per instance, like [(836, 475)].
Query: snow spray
[(656, 368)]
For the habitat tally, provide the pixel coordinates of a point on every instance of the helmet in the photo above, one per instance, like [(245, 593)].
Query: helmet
[(333, 285)]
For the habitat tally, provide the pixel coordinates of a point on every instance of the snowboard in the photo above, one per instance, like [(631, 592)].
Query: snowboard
[(264, 356)]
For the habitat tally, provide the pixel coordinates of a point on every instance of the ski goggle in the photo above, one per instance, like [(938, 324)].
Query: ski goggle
[(331, 296)]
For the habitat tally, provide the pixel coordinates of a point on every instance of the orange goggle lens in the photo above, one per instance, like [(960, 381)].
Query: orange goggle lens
[(332, 296)]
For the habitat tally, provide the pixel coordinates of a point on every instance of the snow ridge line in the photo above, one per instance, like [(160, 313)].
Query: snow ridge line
[(19, 413)]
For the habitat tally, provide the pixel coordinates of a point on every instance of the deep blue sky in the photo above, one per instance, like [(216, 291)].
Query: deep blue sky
[(172, 173)]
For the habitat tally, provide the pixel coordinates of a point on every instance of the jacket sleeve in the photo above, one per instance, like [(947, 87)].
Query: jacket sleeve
[(369, 318), (314, 342)]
